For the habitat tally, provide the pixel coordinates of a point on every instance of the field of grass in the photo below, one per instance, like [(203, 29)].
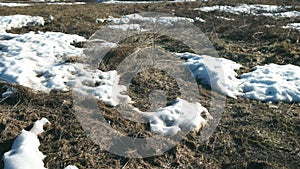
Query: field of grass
[(251, 134)]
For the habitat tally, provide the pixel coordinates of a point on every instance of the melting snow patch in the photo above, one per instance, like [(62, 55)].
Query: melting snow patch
[(66, 3), (14, 4), (25, 58), (273, 83), (126, 27), (199, 19), (38, 61), (24, 153), (292, 26), (224, 18), (127, 18), (270, 26), (243, 9), (101, 85), (134, 21), (267, 83), (257, 9), (127, 2), (182, 115), (71, 167), (219, 73), (288, 14), (18, 21), (171, 19)]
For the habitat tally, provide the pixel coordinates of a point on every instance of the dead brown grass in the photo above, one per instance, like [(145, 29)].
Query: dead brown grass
[(251, 134)]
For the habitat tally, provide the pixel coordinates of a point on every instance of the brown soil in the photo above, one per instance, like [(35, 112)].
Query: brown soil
[(251, 134)]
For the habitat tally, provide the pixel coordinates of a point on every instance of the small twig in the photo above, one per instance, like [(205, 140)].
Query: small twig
[(125, 164), (290, 108), (17, 103), (2, 100)]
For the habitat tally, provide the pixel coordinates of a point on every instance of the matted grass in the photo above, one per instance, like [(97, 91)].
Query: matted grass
[(251, 134)]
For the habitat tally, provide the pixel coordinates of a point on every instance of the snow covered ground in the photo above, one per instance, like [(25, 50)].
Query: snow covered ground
[(255, 9), (137, 22), (66, 3), (18, 21), (219, 73), (137, 18), (28, 59), (25, 153), (243, 8), (224, 18), (39, 61), (127, 2), (182, 115), (143, 2), (292, 26), (272, 83), (42, 61), (288, 14), (11, 4), (266, 83)]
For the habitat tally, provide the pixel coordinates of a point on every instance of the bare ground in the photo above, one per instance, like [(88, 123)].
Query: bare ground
[(251, 134)]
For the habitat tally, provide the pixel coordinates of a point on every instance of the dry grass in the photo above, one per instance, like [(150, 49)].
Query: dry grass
[(251, 134)]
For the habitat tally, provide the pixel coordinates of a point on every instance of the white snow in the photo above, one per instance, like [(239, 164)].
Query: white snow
[(138, 18), (127, 2), (199, 19), (132, 21), (108, 89), (288, 14), (66, 3), (219, 73), (38, 61), (144, 2), (224, 18), (27, 57), (266, 83), (255, 9), (18, 21), (171, 19), (292, 26), (243, 8), (10, 4), (71, 167), (24, 153), (187, 0), (270, 26), (127, 18), (181, 116), (126, 27), (49, 2), (273, 83)]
